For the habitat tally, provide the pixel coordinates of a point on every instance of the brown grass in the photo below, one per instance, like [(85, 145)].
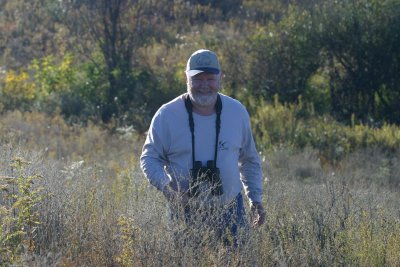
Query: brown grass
[(102, 211)]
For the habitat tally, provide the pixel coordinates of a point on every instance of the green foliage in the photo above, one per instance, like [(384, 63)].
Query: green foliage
[(297, 126), (361, 41), (52, 85), (285, 55), (19, 215), (342, 57), (317, 92), (52, 76), (117, 61), (41, 84), (117, 29)]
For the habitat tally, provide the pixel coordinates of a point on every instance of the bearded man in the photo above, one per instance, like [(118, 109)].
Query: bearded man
[(201, 154)]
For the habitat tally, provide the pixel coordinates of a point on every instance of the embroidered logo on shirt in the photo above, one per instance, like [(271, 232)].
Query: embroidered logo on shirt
[(222, 145)]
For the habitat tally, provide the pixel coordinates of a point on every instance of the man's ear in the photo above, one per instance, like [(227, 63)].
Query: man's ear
[(186, 78)]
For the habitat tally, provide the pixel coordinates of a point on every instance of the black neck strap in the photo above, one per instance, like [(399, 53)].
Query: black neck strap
[(218, 109)]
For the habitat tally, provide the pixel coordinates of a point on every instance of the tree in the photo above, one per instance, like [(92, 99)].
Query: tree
[(350, 47), (117, 28), (361, 40), (284, 56)]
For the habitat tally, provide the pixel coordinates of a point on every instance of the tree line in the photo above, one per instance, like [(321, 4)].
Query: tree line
[(119, 60)]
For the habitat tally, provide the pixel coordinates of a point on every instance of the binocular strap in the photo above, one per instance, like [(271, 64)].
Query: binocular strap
[(218, 109)]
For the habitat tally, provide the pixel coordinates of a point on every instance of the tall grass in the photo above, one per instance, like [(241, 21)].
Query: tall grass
[(101, 211)]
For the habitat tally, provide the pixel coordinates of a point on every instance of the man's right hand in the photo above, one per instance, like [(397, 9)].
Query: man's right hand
[(173, 195), (169, 193)]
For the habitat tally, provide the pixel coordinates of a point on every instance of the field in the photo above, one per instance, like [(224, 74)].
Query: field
[(74, 195)]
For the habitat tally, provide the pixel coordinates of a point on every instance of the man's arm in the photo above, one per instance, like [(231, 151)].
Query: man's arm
[(250, 165), (251, 174), (153, 158)]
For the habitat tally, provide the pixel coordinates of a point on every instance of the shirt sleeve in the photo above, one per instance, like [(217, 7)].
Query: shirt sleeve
[(153, 158), (250, 164)]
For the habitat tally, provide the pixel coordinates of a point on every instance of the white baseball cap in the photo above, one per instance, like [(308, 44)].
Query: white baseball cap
[(202, 61)]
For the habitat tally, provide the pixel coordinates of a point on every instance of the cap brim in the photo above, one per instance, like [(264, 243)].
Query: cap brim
[(192, 73)]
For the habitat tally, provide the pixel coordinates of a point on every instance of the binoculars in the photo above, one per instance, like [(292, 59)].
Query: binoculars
[(209, 174)]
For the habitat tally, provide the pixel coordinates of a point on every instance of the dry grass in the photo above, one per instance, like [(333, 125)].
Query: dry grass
[(100, 211)]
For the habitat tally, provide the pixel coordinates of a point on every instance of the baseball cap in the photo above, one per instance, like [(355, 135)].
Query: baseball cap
[(202, 61)]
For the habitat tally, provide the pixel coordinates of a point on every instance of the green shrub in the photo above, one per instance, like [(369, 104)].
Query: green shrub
[(296, 126), (19, 215)]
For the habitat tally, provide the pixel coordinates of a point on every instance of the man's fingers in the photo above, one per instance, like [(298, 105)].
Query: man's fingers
[(260, 216)]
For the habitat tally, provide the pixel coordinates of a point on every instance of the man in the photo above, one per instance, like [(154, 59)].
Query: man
[(200, 151)]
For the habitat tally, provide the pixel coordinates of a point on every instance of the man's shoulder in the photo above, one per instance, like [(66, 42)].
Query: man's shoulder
[(170, 112), (173, 105), (231, 103)]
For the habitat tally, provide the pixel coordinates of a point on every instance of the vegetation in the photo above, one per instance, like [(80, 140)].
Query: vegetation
[(90, 205), (80, 80), (19, 223), (296, 126), (119, 60)]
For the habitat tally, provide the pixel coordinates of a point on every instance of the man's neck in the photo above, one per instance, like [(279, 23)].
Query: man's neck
[(204, 110)]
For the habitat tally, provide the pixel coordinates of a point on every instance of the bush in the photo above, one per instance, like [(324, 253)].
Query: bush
[(296, 126), (19, 214)]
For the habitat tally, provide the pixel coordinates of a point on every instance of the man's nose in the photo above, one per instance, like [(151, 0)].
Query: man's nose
[(204, 82)]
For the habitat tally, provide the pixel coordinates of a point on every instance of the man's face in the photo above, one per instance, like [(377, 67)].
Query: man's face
[(203, 88)]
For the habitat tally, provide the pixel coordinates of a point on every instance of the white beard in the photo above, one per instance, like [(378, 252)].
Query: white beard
[(203, 100)]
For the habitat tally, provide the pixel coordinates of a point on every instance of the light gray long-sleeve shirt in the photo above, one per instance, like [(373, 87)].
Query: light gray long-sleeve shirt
[(167, 152)]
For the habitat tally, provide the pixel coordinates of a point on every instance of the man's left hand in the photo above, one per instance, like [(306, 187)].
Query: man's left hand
[(259, 214)]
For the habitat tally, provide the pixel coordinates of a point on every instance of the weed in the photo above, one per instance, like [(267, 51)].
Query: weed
[(19, 216)]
